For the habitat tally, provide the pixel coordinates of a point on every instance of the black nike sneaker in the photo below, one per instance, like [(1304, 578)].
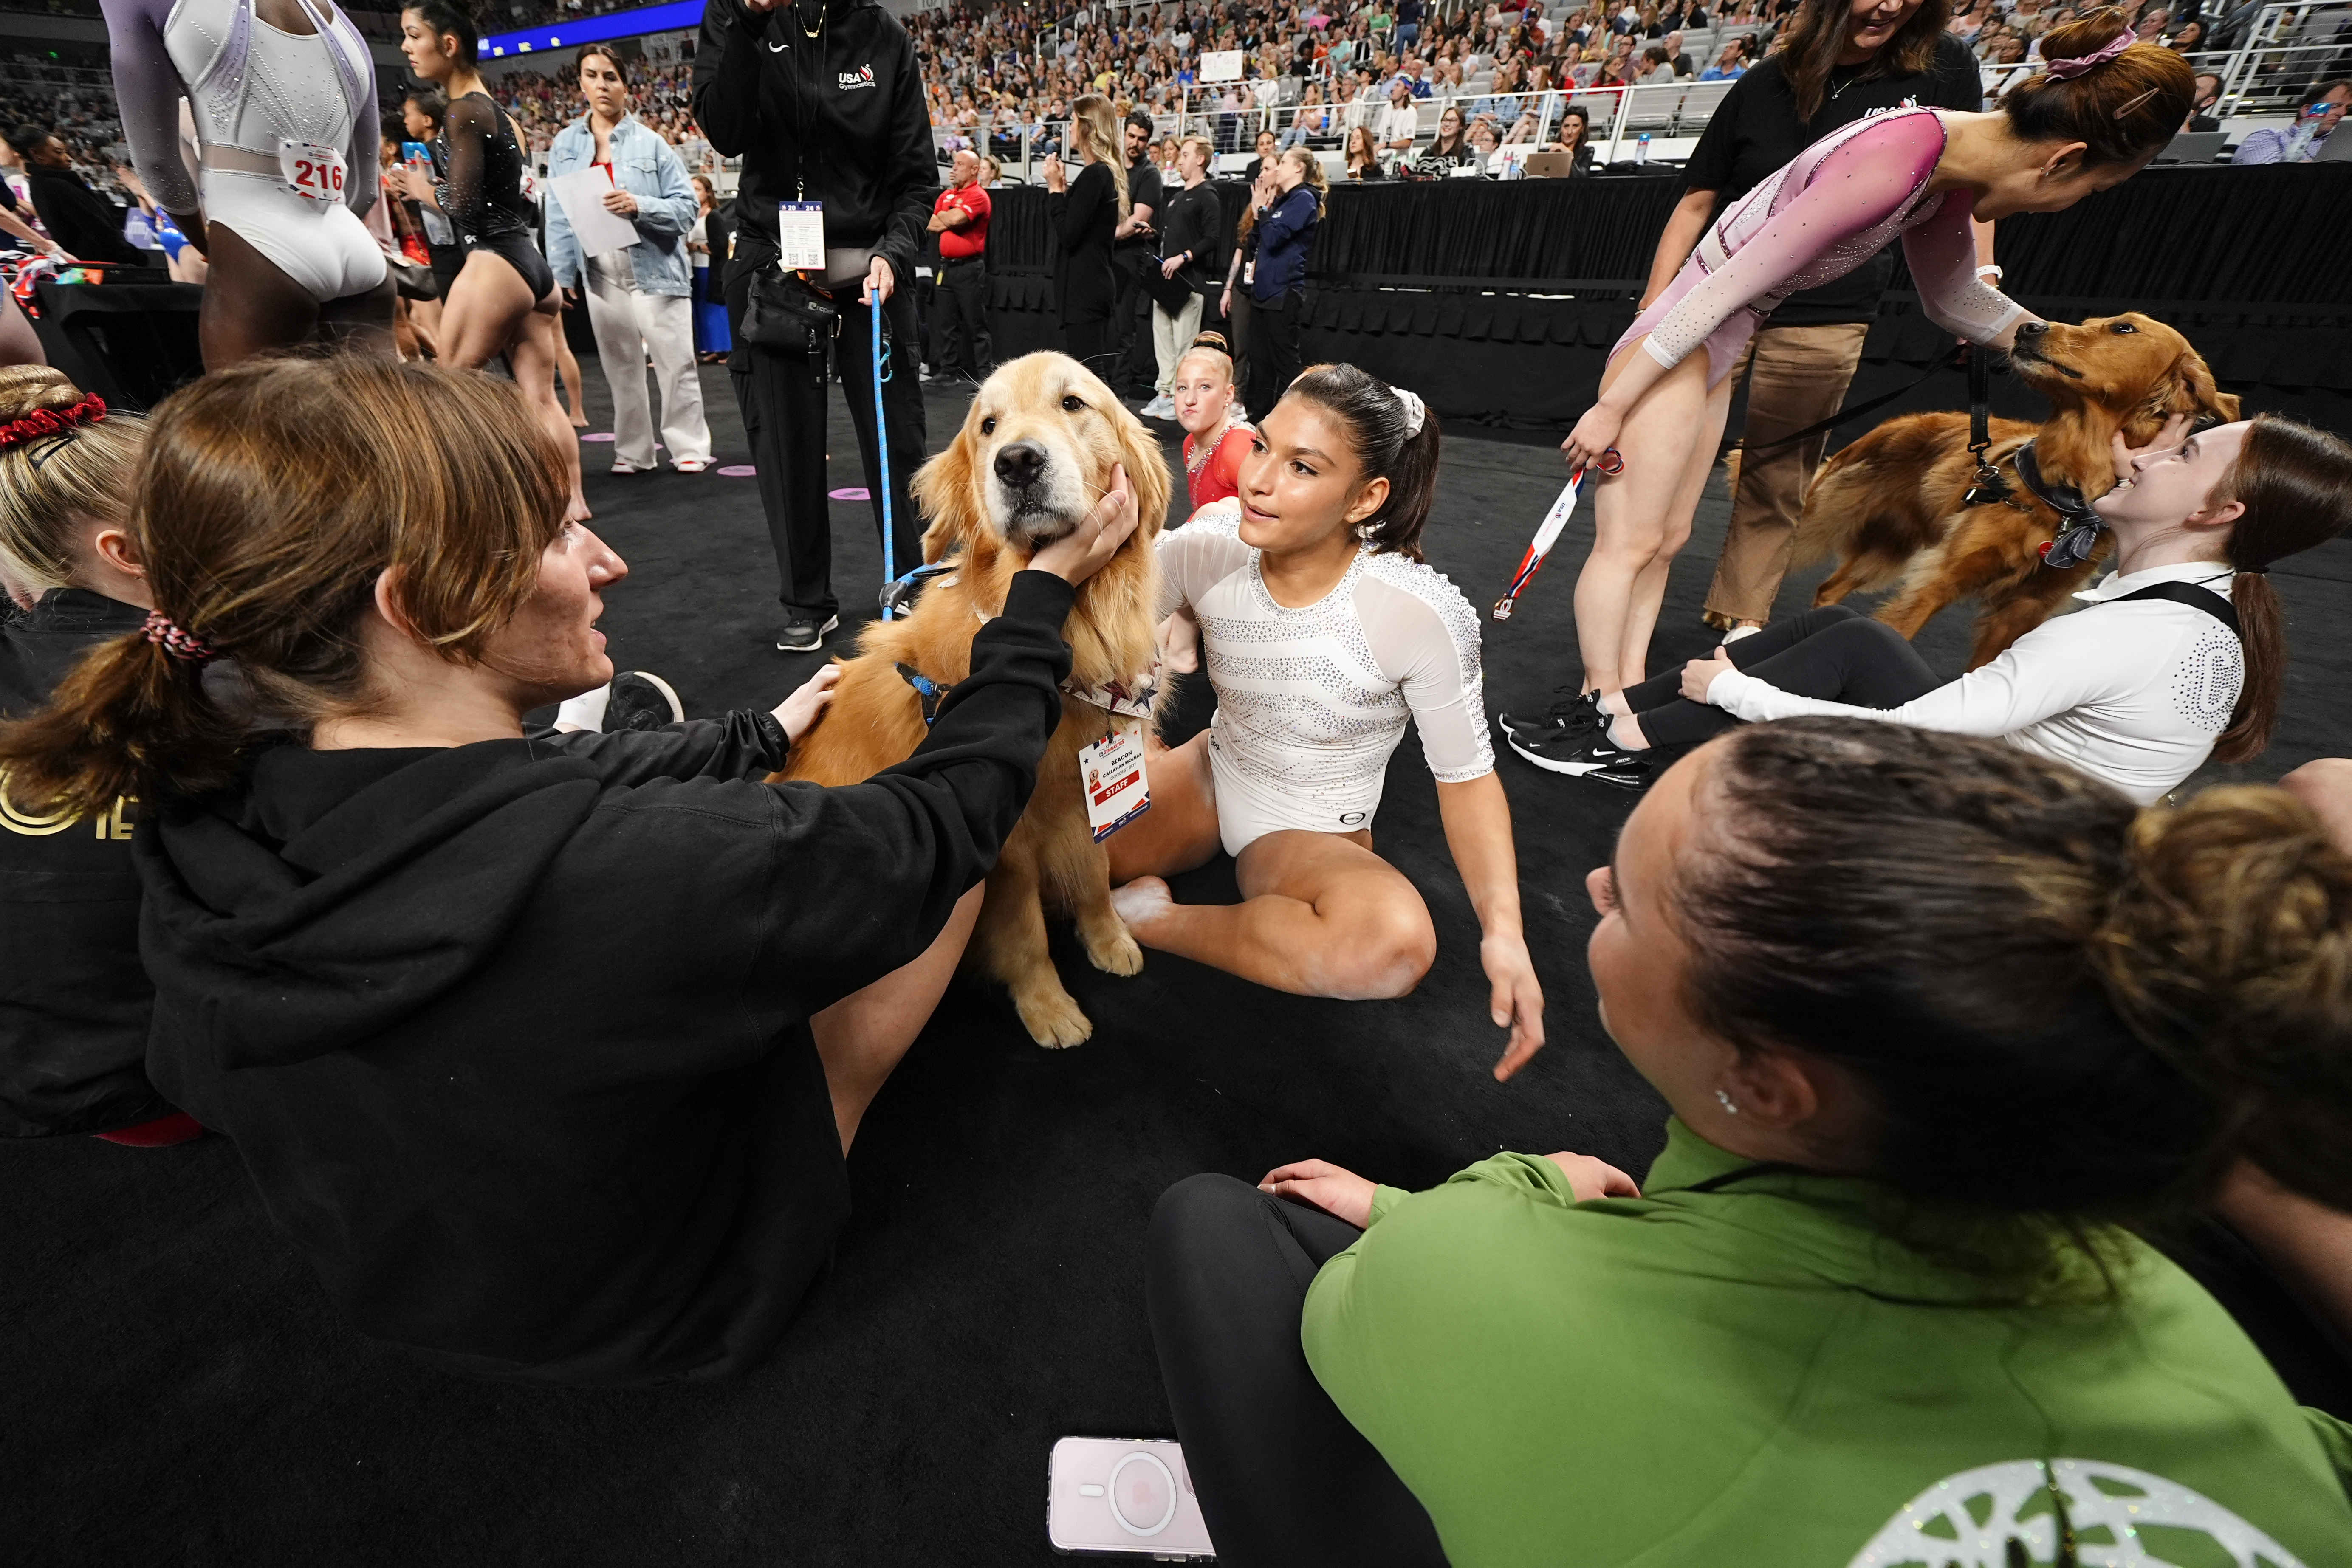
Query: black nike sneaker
[(1579, 713), (1561, 751)]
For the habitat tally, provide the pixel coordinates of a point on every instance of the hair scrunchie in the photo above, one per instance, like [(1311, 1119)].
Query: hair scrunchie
[(42, 422), (2067, 70), (174, 640), (1415, 411)]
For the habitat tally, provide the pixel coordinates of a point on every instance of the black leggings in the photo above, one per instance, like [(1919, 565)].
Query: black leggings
[(1828, 653), (1284, 1480)]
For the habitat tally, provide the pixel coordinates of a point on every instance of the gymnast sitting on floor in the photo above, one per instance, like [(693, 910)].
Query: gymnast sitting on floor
[(1324, 632), (2180, 655), (1938, 1019), (362, 930)]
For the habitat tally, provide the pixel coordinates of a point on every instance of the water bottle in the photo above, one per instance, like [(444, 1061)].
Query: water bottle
[(1642, 149)]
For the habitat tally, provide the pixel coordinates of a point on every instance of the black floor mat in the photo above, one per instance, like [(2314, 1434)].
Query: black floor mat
[(179, 1391)]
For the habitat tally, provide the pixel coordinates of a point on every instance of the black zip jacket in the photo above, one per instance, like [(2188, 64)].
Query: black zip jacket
[(513, 1037), (851, 100), (73, 997)]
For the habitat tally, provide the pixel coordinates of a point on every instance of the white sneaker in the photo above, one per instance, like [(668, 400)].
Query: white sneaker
[(691, 464), (623, 465), (1736, 632)]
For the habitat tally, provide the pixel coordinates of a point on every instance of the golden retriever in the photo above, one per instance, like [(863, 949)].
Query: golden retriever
[(1035, 455), (1892, 505)]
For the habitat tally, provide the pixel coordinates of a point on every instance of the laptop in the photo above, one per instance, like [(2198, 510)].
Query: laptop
[(2193, 146), (2337, 149), (1548, 166)]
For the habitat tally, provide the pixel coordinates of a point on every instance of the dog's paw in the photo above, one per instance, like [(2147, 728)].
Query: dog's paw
[(1112, 950), (1053, 1020)]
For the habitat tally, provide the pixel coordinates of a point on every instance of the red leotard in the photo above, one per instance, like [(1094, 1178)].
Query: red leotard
[(1220, 477)]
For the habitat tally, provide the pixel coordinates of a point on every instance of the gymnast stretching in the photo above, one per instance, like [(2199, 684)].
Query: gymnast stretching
[(2179, 656), (1324, 633), (504, 300), (2101, 110)]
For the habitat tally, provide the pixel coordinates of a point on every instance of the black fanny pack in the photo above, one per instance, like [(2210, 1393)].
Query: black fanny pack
[(784, 311)]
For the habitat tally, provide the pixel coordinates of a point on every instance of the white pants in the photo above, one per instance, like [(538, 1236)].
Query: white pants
[(630, 325), (1171, 336)]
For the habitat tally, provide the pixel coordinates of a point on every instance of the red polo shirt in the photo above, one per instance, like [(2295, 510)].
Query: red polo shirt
[(955, 244)]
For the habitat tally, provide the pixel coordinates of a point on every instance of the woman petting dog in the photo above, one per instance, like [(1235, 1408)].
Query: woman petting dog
[(2180, 657), (364, 930), (1323, 632), (2100, 110)]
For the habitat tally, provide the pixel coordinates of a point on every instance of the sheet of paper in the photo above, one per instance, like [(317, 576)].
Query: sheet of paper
[(599, 232)]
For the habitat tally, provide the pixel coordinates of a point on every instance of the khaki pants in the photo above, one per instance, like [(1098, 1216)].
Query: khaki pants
[(1797, 375)]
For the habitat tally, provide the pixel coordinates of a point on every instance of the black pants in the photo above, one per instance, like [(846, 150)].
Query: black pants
[(1828, 653), (965, 349), (1284, 1480), (1274, 350), (1091, 344), (782, 398), (1136, 364)]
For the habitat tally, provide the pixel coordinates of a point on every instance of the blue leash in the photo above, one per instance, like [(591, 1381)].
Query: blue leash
[(882, 444)]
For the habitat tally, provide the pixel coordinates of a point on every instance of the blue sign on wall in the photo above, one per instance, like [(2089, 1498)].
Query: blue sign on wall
[(669, 18)]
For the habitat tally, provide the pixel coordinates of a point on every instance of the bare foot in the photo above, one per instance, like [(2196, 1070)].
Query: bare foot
[(1140, 904)]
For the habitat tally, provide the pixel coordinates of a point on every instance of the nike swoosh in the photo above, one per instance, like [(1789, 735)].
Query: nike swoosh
[(775, 48)]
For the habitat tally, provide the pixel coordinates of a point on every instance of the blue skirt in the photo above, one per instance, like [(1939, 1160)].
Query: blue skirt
[(710, 334)]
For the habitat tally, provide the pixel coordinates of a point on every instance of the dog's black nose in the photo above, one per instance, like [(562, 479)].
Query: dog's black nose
[(2031, 328), (1019, 463)]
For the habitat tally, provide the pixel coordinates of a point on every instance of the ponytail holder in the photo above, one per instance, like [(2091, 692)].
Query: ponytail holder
[(2067, 70), (52, 421), (1415, 411), (167, 634), (2252, 570)]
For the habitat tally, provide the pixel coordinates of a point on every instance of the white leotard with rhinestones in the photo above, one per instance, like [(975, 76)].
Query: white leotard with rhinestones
[(251, 84), (2133, 694), (1310, 702)]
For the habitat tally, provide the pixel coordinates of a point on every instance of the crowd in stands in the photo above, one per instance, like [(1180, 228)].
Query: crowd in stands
[(662, 97)]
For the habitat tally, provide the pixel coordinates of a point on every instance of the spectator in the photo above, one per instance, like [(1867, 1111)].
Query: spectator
[(1279, 242), (1655, 71), (1086, 212), (1729, 66), (85, 224), (960, 219), (640, 300), (1676, 59), (866, 157), (2298, 143), (2190, 39), (1192, 255), (1575, 137), (1484, 145), (2209, 95), (1448, 150), (1363, 155), (1134, 256), (1400, 124), (1268, 145), (709, 244)]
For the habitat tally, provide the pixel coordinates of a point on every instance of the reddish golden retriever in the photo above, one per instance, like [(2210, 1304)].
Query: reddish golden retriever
[(1890, 506), (1035, 455)]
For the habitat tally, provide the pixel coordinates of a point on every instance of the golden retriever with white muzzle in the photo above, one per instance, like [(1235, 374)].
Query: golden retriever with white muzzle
[(1034, 456)]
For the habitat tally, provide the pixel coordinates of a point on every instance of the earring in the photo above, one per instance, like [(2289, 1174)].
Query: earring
[(1727, 1104)]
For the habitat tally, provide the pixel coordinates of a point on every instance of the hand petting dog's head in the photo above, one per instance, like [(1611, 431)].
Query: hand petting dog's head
[(1035, 453)]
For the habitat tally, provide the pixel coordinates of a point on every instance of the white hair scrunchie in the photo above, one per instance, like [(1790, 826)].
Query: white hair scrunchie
[(1415, 411)]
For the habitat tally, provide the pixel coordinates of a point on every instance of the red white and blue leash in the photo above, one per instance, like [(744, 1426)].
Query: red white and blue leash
[(1554, 523)]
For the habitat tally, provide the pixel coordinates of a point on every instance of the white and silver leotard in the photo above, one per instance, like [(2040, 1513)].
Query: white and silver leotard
[(252, 85), (1310, 702)]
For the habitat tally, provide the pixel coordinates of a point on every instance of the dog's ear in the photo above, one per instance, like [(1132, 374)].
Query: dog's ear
[(1146, 473), (944, 490), (2196, 387)]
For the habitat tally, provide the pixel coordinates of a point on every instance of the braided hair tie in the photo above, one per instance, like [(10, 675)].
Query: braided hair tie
[(174, 640)]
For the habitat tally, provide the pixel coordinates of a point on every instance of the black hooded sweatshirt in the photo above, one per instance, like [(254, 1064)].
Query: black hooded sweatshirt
[(837, 118), (513, 1037), (73, 999)]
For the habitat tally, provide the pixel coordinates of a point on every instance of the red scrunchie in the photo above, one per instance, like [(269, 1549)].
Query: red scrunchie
[(52, 421), (164, 631)]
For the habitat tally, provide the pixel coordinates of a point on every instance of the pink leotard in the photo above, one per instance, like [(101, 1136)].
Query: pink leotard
[(1830, 209)]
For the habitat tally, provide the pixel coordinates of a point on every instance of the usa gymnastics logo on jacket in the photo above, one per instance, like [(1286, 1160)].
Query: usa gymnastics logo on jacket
[(851, 81)]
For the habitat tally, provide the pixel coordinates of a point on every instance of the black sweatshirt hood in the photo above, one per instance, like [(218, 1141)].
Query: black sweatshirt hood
[(304, 916)]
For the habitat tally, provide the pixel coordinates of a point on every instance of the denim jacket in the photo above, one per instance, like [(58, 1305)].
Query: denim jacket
[(650, 170)]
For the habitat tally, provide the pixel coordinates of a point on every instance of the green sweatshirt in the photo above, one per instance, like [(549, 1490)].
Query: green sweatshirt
[(1748, 1375)]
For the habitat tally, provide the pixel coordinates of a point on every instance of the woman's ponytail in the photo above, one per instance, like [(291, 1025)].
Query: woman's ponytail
[(130, 710), (2228, 951), (2295, 484)]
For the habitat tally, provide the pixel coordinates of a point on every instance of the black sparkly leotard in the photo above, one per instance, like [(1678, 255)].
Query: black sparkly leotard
[(483, 191)]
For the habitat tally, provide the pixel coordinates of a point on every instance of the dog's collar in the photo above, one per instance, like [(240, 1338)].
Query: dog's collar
[(1130, 698), (2079, 534)]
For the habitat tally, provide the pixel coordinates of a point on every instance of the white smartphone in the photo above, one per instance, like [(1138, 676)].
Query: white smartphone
[(1108, 1497)]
